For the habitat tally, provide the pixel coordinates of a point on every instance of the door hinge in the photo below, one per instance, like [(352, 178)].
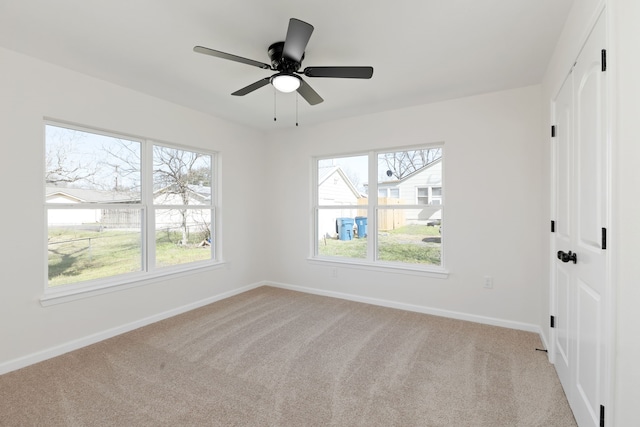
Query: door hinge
[(553, 226), (603, 55), (604, 238), (552, 323), (553, 131), (601, 415)]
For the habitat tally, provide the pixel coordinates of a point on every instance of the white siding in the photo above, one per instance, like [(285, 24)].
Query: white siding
[(66, 217), (334, 190), (428, 177)]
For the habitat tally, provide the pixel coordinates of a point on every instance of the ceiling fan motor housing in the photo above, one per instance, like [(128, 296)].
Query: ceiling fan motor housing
[(279, 62)]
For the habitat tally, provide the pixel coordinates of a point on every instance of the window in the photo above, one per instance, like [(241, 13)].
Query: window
[(341, 201), (428, 195), (401, 226), (120, 208), (423, 195), (393, 193)]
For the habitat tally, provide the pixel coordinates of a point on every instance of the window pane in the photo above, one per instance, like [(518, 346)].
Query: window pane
[(342, 181), (88, 244), (84, 167), (403, 171), (410, 235), (181, 177), (342, 233), (422, 196), (182, 236)]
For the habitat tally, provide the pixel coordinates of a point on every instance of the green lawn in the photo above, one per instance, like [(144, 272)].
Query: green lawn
[(80, 255), (415, 244)]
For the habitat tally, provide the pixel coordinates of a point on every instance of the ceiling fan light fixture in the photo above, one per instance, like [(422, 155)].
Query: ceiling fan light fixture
[(286, 83)]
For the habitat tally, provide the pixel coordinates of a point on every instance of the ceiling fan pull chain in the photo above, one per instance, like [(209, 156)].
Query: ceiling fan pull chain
[(274, 104), (296, 108)]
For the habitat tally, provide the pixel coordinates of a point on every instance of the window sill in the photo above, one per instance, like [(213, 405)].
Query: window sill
[(435, 272), (66, 293)]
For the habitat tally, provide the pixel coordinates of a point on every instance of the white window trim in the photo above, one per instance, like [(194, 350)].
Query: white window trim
[(418, 196), (371, 263), (76, 291), (148, 274)]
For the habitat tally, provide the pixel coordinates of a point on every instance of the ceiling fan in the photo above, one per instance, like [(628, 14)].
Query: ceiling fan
[(286, 58)]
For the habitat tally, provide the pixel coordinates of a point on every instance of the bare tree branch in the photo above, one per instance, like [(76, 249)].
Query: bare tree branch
[(403, 163)]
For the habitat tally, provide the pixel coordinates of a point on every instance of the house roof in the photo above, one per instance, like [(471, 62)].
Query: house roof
[(83, 195), (200, 192), (325, 172)]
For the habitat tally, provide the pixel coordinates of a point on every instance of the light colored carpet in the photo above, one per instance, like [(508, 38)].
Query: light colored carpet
[(271, 357)]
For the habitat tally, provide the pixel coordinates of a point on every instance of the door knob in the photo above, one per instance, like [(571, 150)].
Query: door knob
[(567, 256)]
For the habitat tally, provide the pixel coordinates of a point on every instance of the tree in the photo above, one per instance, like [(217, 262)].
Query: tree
[(63, 165), (402, 163), (122, 159), (174, 171)]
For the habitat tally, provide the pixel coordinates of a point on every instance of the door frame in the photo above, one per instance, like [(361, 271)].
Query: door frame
[(609, 319)]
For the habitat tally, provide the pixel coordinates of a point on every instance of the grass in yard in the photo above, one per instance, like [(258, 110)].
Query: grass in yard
[(81, 255), (416, 229), (355, 248), (413, 244), (170, 253), (76, 255)]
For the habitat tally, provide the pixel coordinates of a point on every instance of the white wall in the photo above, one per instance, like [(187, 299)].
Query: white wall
[(623, 58), (496, 141), (492, 144), (31, 90)]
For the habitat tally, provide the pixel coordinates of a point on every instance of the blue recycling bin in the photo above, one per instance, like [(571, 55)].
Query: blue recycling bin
[(345, 228), (361, 222)]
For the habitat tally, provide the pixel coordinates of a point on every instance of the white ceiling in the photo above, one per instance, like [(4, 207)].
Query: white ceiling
[(421, 50)]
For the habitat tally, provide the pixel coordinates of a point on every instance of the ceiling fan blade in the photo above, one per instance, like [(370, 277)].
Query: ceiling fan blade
[(295, 43), (310, 95), (340, 72), (231, 57), (252, 87)]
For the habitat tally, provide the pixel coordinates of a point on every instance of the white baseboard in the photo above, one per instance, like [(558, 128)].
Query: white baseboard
[(529, 327), (61, 349), (545, 346)]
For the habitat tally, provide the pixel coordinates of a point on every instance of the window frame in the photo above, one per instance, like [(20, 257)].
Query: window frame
[(371, 262), (419, 197), (149, 272)]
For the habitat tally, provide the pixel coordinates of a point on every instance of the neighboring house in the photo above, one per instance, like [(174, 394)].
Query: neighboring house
[(171, 219), (335, 189), (126, 217), (421, 187), (170, 195), (68, 195)]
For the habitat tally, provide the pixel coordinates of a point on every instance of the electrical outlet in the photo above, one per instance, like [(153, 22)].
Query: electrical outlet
[(488, 282)]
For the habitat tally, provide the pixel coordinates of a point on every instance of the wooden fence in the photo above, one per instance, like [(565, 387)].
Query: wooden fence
[(388, 219)]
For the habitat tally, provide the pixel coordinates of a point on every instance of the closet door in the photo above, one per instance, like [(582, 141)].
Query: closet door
[(563, 229), (580, 262)]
